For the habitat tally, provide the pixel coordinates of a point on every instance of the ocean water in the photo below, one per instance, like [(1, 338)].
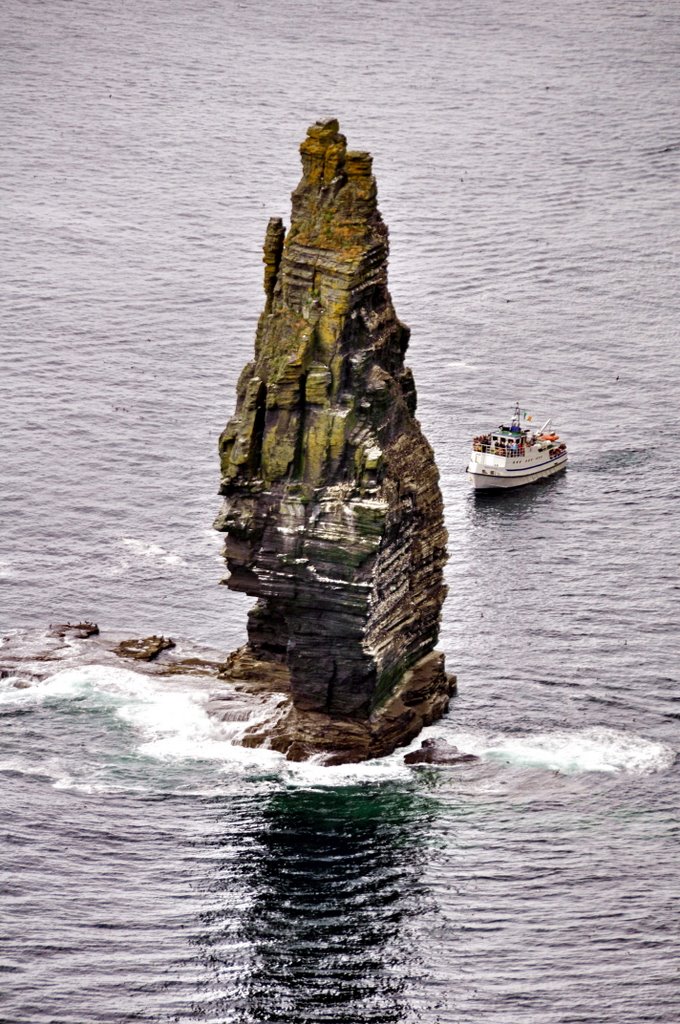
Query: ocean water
[(527, 163)]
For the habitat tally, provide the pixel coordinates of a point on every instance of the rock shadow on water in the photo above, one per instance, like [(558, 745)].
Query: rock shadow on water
[(330, 883)]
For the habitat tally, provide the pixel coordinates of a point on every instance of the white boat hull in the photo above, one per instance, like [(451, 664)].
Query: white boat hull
[(495, 477)]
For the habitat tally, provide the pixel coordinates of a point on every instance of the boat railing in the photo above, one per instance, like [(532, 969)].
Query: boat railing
[(496, 449)]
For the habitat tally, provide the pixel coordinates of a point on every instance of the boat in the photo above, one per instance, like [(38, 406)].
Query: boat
[(516, 455)]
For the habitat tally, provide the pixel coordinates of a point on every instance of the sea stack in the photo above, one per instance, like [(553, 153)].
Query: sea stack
[(332, 510)]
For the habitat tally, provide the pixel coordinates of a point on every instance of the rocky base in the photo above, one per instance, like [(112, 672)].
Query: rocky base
[(418, 699), (253, 693)]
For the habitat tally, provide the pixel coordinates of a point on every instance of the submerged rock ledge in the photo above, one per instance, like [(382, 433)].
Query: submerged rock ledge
[(332, 510)]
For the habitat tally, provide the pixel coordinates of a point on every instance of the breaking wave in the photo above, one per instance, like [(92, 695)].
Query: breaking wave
[(7, 571), (170, 722), (595, 749), (154, 552)]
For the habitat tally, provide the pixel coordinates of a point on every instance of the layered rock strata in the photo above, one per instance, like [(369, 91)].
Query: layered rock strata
[(332, 509)]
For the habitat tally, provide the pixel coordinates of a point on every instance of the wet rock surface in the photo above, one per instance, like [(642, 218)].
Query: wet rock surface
[(33, 655), (76, 630), (438, 751), (332, 510), (418, 699), (144, 648)]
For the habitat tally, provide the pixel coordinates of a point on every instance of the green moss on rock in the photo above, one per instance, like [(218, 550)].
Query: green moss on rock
[(333, 515)]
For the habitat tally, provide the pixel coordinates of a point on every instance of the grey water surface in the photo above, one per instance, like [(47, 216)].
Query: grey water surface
[(527, 162)]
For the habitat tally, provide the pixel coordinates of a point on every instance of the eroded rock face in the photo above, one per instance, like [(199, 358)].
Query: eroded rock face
[(332, 509)]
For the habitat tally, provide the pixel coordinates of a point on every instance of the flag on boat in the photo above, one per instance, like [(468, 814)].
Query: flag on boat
[(526, 415)]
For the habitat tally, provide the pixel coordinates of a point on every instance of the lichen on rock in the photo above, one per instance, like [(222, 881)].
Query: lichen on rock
[(332, 510)]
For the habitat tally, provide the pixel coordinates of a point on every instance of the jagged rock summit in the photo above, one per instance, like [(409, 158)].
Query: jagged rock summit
[(332, 509)]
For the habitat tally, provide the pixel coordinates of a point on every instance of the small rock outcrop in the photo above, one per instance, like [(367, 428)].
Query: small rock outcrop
[(332, 510), (438, 751), (146, 648), (75, 630)]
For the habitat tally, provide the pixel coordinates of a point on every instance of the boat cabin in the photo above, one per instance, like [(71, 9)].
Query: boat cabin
[(507, 435), (506, 441)]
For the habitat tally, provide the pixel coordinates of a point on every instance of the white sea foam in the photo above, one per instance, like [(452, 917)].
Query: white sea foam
[(596, 749), (51, 768), (7, 570), (63, 684), (176, 726), (313, 774), (154, 552), (170, 719), (89, 788), (171, 722), (18, 766)]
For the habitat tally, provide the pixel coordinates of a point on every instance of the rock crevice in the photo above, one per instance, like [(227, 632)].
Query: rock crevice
[(332, 509)]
